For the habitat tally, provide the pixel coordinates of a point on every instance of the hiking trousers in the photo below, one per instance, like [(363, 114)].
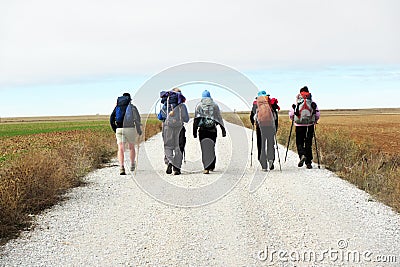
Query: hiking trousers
[(304, 138), (207, 143), (172, 151), (267, 145)]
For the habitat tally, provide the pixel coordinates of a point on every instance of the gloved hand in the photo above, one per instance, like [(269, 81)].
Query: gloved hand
[(294, 106), (313, 105), (195, 135), (223, 132), (139, 131)]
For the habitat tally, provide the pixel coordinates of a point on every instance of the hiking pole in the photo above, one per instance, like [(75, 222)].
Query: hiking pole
[(251, 154), (137, 156), (316, 147), (279, 158), (290, 135)]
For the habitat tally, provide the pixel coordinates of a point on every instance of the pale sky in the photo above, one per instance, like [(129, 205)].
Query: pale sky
[(75, 57)]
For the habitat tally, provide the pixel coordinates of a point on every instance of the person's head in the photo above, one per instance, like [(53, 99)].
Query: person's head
[(176, 89), (128, 95), (205, 94), (304, 89)]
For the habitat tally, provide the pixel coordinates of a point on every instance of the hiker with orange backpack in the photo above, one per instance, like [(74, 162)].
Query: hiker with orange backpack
[(265, 118), (304, 114), (275, 108)]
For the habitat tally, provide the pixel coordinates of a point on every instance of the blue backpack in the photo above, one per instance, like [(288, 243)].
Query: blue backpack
[(122, 103), (170, 101)]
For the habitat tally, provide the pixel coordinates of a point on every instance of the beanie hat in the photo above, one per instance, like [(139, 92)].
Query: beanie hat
[(304, 89), (206, 94)]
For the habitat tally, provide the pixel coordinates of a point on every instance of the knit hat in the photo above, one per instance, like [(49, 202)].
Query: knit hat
[(304, 89), (206, 94)]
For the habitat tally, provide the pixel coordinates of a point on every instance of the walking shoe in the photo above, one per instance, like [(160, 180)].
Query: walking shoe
[(264, 170), (301, 162), (271, 165), (206, 171), (169, 168), (122, 171), (309, 166), (133, 167), (177, 172)]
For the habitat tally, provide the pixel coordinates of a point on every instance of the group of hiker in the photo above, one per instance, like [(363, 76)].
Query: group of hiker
[(126, 123)]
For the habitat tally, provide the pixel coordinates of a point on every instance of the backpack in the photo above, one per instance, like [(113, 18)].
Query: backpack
[(207, 116), (129, 118), (304, 113), (264, 114), (174, 118), (170, 100), (122, 104)]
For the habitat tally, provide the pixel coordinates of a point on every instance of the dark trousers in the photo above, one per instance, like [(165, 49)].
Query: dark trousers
[(267, 145), (259, 141), (304, 137), (207, 143)]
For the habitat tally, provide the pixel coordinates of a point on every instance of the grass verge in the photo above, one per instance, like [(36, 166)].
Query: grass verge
[(37, 168)]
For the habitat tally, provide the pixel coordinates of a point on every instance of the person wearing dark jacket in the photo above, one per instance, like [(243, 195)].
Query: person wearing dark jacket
[(206, 119), (125, 122)]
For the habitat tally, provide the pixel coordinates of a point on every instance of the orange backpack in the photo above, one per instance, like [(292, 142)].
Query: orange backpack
[(264, 112)]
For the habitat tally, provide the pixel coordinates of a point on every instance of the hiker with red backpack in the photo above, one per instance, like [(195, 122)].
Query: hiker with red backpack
[(304, 114), (125, 122), (264, 116)]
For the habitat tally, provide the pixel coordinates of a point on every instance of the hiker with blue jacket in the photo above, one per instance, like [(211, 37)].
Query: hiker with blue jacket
[(304, 114), (173, 114), (206, 119), (125, 122)]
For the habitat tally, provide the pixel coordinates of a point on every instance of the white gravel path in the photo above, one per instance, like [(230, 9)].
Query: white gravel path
[(112, 222)]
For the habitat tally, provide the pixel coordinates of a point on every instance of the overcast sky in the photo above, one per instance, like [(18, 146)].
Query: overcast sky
[(74, 49)]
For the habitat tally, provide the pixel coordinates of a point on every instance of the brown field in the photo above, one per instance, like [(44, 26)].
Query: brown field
[(380, 131)]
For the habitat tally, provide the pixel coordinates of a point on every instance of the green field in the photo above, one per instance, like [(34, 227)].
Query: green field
[(27, 128)]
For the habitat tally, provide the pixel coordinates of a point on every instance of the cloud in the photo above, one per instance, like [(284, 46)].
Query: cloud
[(45, 40)]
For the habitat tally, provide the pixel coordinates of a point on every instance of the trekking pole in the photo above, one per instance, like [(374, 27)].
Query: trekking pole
[(277, 149), (137, 157), (251, 154), (316, 146), (290, 135)]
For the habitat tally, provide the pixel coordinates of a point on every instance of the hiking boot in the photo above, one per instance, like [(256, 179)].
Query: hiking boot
[(177, 172), (264, 170), (308, 165), (271, 165), (301, 162), (206, 171), (133, 167), (122, 171), (169, 168)]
